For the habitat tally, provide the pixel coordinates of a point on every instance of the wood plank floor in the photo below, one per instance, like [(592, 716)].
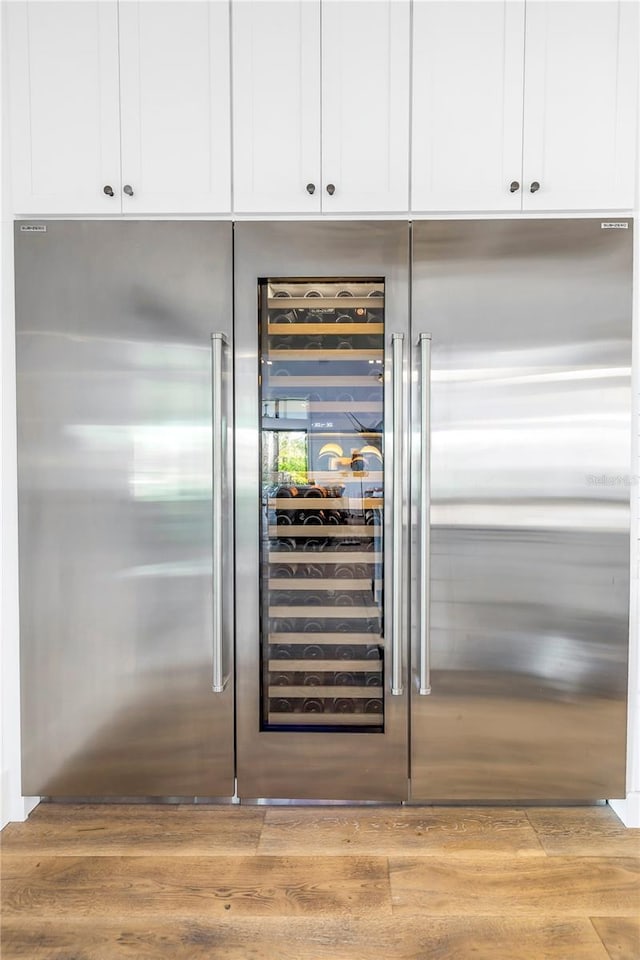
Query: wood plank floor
[(134, 882)]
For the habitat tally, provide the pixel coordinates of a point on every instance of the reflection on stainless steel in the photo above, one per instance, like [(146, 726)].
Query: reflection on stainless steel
[(310, 763), (114, 433), (530, 457)]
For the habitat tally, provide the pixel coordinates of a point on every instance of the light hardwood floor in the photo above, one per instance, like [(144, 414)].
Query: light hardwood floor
[(133, 882)]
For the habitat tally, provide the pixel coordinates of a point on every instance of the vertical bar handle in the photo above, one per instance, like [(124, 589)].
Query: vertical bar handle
[(397, 593), (424, 687), (218, 341)]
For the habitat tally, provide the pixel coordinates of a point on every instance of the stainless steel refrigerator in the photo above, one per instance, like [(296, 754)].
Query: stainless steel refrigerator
[(324, 511)]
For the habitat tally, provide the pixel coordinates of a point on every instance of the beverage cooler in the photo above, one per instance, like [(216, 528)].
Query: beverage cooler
[(322, 485), (324, 511)]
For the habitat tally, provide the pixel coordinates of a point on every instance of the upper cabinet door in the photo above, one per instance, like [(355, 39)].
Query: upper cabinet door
[(468, 72), (580, 109), (365, 105), (175, 106), (65, 128), (276, 105)]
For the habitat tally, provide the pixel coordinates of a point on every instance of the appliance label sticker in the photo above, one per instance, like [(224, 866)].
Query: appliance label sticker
[(33, 228), (614, 225)]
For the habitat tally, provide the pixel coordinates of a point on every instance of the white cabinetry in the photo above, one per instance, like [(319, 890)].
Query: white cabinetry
[(468, 61), (321, 106), (580, 107), (524, 106), (276, 106), (175, 109), (65, 127), (365, 105), (120, 107)]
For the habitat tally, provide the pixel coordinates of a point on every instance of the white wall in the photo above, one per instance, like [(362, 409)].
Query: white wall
[(12, 805), (628, 809)]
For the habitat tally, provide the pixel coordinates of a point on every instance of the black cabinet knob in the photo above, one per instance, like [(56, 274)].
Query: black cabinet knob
[(128, 189), (514, 186), (331, 189), (535, 186), (311, 188), (108, 190)]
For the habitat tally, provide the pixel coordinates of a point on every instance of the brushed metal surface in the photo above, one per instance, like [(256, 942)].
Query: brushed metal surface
[(310, 765), (114, 324), (530, 478)]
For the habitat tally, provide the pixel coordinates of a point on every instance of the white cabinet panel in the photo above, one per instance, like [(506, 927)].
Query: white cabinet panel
[(276, 106), (175, 106), (365, 105), (468, 72), (580, 106), (64, 107)]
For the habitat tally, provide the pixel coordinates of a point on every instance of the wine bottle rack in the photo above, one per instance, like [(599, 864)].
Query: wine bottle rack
[(322, 612)]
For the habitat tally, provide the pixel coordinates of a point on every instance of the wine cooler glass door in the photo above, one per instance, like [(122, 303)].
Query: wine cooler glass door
[(322, 485), (322, 711)]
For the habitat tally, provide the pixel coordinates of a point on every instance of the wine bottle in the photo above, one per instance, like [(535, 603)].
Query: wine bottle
[(373, 706), (374, 653), (313, 706), (312, 626), (313, 680), (342, 572), (280, 705), (373, 680), (344, 705), (282, 545), (283, 626), (344, 627), (345, 653), (280, 599), (281, 651), (281, 572), (281, 680), (314, 572), (344, 600), (313, 545), (312, 652), (344, 680), (313, 600)]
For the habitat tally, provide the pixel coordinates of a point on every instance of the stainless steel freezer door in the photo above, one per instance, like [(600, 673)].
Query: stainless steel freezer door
[(114, 362), (529, 447), (316, 763)]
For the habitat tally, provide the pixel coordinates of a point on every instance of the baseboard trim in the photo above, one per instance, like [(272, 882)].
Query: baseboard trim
[(627, 810)]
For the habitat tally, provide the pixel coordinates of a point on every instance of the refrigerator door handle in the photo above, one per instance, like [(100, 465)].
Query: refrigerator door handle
[(397, 564), (424, 685), (218, 342)]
